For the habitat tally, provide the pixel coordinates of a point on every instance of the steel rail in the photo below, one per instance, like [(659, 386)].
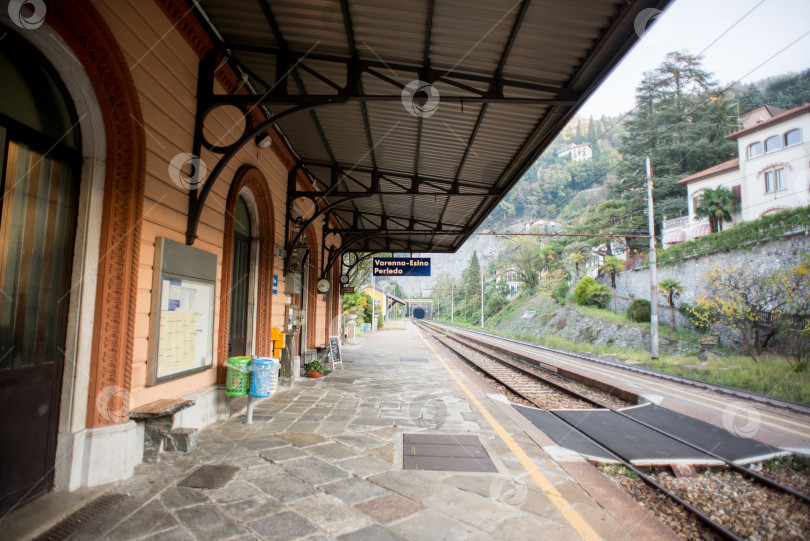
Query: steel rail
[(767, 481), (700, 515), (533, 375), (796, 407)]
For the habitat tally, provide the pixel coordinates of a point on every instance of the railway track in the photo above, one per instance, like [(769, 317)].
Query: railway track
[(544, 393), (539, 387), (789, 405)]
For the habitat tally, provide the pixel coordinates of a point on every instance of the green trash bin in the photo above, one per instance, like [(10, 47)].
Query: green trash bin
[(236, 379)]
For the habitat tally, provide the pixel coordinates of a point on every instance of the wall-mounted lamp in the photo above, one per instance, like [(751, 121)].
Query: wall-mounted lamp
[(264, 141)]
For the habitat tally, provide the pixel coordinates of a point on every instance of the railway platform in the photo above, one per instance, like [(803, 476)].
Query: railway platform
[(405, 443)]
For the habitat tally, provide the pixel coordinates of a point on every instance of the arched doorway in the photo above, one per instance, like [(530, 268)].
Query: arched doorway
[(248, 240), (240, 315), (40, 160)]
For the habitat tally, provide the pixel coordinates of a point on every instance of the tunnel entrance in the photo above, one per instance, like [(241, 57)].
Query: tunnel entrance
[(419, 313)]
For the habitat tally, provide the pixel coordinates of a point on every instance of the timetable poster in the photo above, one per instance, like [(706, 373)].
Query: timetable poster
[(186, 330)]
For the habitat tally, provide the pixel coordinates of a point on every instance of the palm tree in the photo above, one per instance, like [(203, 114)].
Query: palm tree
[(672, 289), (718, 205), (576, 258), (612, 265)]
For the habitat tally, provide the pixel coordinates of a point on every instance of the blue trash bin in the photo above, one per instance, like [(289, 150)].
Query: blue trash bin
[(263, 377)]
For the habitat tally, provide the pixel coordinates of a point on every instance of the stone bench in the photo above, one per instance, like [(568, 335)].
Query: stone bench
[(158, 417)]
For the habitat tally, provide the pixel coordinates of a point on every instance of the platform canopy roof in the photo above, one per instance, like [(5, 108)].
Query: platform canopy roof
[(413, 118)]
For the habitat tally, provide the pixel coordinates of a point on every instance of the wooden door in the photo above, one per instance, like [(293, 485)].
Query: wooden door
[(37, 226)]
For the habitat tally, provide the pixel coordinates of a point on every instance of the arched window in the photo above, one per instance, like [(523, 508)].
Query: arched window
[(793, 137), (773, 143), (239, 327), (754, 149)]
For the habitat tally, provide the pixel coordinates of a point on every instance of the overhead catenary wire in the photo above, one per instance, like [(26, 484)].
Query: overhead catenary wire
[(665, 81), (646, 145)]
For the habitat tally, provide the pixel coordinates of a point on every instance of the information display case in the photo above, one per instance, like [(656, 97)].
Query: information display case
[(183, 292)]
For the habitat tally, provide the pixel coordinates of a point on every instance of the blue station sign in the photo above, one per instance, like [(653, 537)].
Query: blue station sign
[(401, 266)]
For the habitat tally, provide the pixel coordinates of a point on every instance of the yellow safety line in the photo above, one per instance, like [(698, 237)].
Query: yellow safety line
[(689, 396), (569, 513)]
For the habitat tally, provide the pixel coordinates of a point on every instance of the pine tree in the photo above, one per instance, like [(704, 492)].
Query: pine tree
[(591, 131), (681, 122), (579, 137), (597, 150), (751, 99)]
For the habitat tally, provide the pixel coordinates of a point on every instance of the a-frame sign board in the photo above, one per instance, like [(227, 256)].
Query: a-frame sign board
[(334, 352)]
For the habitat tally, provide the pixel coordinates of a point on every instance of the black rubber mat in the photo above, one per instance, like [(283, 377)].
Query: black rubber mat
[(81, 518), (641, 445), (717, 440), (562, 434)]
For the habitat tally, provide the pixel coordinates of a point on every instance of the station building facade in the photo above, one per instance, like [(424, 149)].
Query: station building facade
[(97, 115)]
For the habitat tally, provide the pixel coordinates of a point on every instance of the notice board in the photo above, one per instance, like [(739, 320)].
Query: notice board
[(182, 322)]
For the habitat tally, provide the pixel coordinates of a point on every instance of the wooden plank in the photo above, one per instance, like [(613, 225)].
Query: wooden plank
[(159, 408)]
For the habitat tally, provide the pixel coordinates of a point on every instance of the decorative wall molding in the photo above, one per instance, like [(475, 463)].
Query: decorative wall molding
[(312, 288), (773, 209), (775, 165), (95, 47), (251, 178)]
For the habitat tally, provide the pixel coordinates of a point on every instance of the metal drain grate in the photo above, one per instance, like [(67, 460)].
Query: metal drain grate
[(78, 520), (440, 452), (210, 476), (412, 360), (256, 418)]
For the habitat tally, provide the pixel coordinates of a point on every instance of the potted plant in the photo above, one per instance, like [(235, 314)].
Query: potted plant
[(314, 369), (708, 342)]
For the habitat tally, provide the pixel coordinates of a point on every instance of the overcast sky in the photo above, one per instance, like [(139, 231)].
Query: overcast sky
[(693, 25)]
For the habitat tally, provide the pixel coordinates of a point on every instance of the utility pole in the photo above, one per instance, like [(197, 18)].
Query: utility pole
[(653, 266), (482, 298), (452, 302)]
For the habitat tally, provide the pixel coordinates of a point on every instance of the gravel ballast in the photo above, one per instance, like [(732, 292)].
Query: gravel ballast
[(749, 509)]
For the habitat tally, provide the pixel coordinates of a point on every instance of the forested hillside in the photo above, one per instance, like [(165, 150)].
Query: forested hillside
[(681, 119)]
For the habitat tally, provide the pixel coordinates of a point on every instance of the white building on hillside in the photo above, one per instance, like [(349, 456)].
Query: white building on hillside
[(578, 153), (772, 172), (546, 226), (512, 276)]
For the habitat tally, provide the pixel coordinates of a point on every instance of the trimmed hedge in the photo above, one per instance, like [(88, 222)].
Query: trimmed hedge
[(639, 311), (769, 228), (589, 293)]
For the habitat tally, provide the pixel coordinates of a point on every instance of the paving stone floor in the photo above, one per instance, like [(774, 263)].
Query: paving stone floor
[(324, 462)]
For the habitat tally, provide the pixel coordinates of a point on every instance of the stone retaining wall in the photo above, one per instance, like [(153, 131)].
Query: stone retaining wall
[(763, 258)]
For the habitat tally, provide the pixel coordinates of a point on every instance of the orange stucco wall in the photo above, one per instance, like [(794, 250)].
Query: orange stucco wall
[(164, 69)]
